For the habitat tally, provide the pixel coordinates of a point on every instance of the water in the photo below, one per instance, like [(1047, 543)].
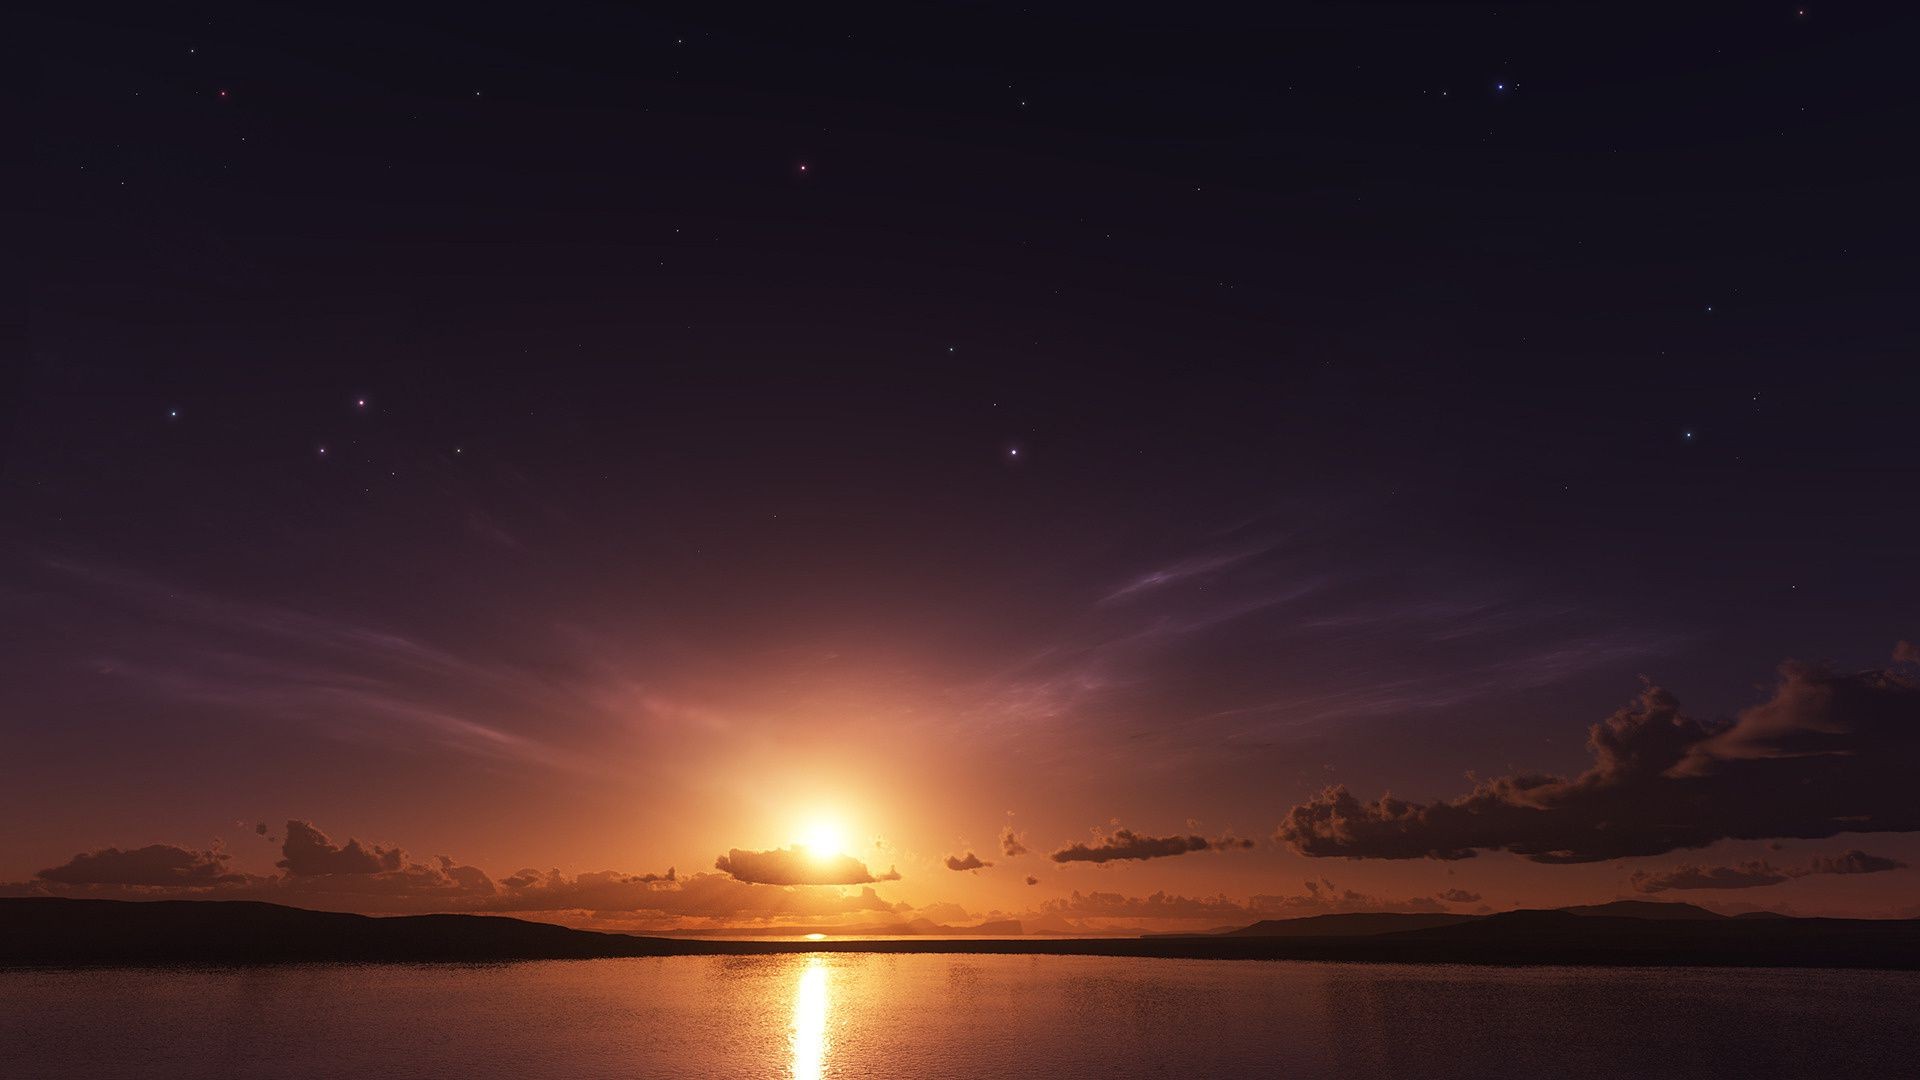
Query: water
[(1059, 1017)]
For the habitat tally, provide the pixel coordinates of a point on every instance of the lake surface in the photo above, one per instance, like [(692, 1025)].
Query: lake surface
[(849, 1015)]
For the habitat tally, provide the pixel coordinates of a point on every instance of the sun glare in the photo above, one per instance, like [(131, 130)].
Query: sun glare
[(823, 840)]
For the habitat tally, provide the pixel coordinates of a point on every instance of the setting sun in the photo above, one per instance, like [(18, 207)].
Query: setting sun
[(823, 839)]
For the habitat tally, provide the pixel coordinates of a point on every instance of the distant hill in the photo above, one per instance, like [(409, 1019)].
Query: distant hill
[(49, 931), (1645, 909), (58, 931), (1354, 924)]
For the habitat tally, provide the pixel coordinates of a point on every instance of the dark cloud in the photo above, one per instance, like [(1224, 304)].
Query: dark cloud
[(1031, 880), (1826, 754), (1755, 873), (1746, 875), (1854, 861), (155, 864), (1127, 844), (969, 861), (261, 828), (1320, 897), (1160, 905), (308, 851), (1012, 843), (793, 866)]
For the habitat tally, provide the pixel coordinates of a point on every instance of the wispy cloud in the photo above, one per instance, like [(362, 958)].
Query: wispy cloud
[(341, 677), (1183, 570)]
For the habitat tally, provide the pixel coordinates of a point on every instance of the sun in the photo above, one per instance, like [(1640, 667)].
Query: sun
[(823, 839)]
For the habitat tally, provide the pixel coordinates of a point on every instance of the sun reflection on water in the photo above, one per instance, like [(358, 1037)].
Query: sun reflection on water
[(810, 1021)]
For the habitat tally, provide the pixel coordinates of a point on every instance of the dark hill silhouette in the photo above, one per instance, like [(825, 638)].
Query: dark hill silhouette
[(1353, 924), (42, 931), (1645, 909)]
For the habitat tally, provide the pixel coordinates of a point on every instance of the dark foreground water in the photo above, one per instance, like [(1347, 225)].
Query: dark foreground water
[(1056, 1017)]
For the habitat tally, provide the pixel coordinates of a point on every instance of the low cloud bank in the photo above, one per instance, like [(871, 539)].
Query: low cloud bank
[(317, 871), (1756, 873)]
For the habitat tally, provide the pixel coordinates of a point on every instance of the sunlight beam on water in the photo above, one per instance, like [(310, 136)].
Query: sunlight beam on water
[(810, 1021)]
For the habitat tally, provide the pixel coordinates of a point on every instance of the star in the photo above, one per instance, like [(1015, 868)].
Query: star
[(360, 403), (173, 414)]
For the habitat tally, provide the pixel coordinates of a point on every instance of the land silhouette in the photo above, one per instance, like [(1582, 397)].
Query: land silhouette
[(62, 931)]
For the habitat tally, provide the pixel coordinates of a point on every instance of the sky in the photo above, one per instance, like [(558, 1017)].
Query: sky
[(745, 468)]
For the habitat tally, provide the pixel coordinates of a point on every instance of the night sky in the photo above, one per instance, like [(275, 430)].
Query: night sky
[(589, 440)]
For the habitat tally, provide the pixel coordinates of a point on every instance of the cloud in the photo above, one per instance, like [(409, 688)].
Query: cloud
[(346, 679), (793, 866), (307, 851), (1854, 861), (1827, 754), (1031, 880), (1755, 873), (1012, 843), (1320, 897), (1160, 905), (155, 864), (1198, 566), (1744, 875), (1127, 844), (702, 896), (969, 861)]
